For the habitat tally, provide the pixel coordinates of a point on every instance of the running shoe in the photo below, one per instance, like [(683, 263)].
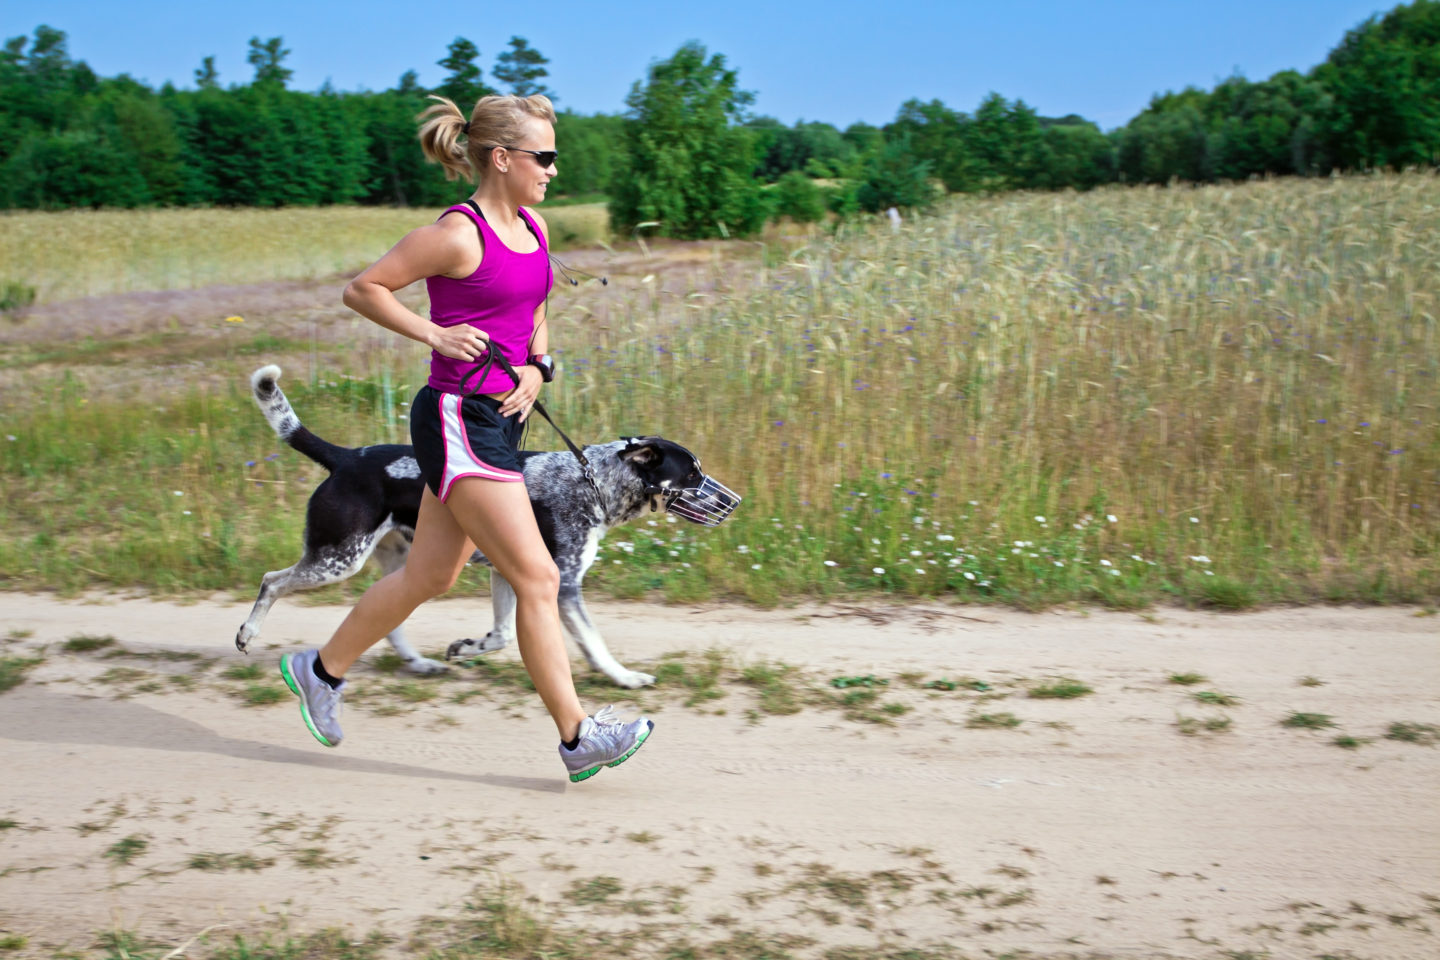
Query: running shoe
[(319, 702), (605, 741)]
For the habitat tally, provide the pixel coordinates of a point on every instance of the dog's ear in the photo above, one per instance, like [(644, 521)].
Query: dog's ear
[(641, 451)]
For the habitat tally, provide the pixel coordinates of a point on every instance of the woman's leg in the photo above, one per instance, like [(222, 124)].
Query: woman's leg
[(498, 517), (437, 555)]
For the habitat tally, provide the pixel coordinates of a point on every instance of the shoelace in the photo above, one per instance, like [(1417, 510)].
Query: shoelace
[(605, 717)]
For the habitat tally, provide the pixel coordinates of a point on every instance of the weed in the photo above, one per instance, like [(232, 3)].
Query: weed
[(244, 671), (12, 941), (1347, 742), (1187, 679), (317, 858), (126, 849), (594, 890), (993, 721), (1426, 734), (413, 691), (1308, 721), (1061, 690), (1214, 699), (1311, 682), (7, 824), (84, 643), (773, 682), (222, 862), (13, 669), (1192, 726), (262, 694), (699, 679), (643, 836)]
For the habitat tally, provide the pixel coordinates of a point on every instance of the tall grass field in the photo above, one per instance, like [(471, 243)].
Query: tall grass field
[(88, 253), (1223, 396)]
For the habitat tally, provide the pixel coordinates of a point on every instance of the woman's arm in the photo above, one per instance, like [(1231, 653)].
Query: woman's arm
[(438, 249)]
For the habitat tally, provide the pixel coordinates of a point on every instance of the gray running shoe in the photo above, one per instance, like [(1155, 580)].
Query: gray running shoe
[(604, 742), (319, 703)]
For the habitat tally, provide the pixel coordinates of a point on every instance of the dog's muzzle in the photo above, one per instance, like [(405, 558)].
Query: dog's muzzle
[(709, 503)]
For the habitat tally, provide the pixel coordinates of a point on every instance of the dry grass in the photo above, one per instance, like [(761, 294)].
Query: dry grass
[(83, 253), (1223, 395)]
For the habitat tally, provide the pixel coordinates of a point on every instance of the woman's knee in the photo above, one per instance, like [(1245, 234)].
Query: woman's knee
[(537, 579), (425, 584)]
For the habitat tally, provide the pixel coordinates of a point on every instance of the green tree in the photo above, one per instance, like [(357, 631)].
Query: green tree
[(464, 83), (206, 76), (895, 177), (689, 165), (268, 58), (798, 198), (521, 68), (1385, 81)]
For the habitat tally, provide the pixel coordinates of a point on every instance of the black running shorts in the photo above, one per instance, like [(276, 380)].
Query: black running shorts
[(458, 437)]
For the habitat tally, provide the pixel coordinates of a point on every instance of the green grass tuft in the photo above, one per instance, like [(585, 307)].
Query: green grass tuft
[(1061, 690), (1308, 721)]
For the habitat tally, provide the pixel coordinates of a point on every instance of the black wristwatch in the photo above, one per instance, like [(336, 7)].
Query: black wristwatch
[(545, 364)]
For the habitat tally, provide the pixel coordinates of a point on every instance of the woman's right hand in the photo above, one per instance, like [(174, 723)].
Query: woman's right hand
[(460, 342)]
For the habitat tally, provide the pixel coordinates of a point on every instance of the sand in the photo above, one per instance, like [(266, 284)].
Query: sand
[(1093, 828)]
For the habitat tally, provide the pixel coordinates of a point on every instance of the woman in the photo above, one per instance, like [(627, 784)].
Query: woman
[(486, 264)]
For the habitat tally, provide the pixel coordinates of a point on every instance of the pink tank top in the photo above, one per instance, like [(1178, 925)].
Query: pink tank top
[(499, 298)]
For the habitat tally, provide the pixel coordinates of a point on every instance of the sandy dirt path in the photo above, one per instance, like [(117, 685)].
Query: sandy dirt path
[(141, 791)]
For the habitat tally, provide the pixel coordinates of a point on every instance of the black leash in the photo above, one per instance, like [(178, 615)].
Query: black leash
[(493, 355)]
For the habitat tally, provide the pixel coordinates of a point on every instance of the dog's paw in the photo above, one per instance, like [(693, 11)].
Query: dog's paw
[(464, 649), (426, 667), (243, 638), (632, 679)]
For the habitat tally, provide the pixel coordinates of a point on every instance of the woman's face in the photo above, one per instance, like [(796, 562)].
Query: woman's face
[(525, 176)]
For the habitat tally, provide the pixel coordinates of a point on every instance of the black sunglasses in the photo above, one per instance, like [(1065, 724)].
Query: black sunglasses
[(545, 158)]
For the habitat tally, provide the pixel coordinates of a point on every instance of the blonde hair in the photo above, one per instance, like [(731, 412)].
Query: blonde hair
[(497, 121)]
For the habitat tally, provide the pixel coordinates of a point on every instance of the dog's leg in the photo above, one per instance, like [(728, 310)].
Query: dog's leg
[(502, 603), (273, 586), (316, 568), (390, 553), (578, 624)]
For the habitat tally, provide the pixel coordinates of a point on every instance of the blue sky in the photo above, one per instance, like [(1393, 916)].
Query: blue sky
[(838, 61)]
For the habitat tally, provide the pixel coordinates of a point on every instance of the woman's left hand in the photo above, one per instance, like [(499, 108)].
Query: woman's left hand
[(523, 397)]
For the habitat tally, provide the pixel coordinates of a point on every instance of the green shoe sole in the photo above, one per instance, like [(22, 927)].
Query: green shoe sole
[(290, 682), (587, 774)]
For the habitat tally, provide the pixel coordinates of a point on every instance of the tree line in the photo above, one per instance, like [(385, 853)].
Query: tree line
[(687, 153)]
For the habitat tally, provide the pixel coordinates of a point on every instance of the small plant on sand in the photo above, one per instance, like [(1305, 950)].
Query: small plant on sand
[(1426, 734), (1214, 699), (1187, 679), (244, 671), (993, 721), (126, 849), (1060, 690), (262, 694), (1310, 682), (221, 862), (1193, 726), (594, 890), (84, 643), (1309, 721), (773, 682), (12, 671), (1347, 742)]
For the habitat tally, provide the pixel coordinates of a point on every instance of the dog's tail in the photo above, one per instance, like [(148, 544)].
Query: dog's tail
[(282, 419)]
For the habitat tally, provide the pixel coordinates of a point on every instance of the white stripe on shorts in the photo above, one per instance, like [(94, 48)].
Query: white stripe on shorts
[(460, 460)]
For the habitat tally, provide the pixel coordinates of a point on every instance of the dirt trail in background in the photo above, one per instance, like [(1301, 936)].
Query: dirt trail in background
[(1092, 828)]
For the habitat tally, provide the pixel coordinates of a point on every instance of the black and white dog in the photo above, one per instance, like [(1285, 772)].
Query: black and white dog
[(369, 504)]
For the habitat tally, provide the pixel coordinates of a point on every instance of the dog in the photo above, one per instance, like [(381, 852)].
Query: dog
[(369, 504)]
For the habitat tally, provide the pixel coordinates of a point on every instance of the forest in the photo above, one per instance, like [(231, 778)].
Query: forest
[(72, 139)]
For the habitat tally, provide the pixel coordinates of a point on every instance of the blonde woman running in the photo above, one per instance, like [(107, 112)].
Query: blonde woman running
[(486, 264)]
